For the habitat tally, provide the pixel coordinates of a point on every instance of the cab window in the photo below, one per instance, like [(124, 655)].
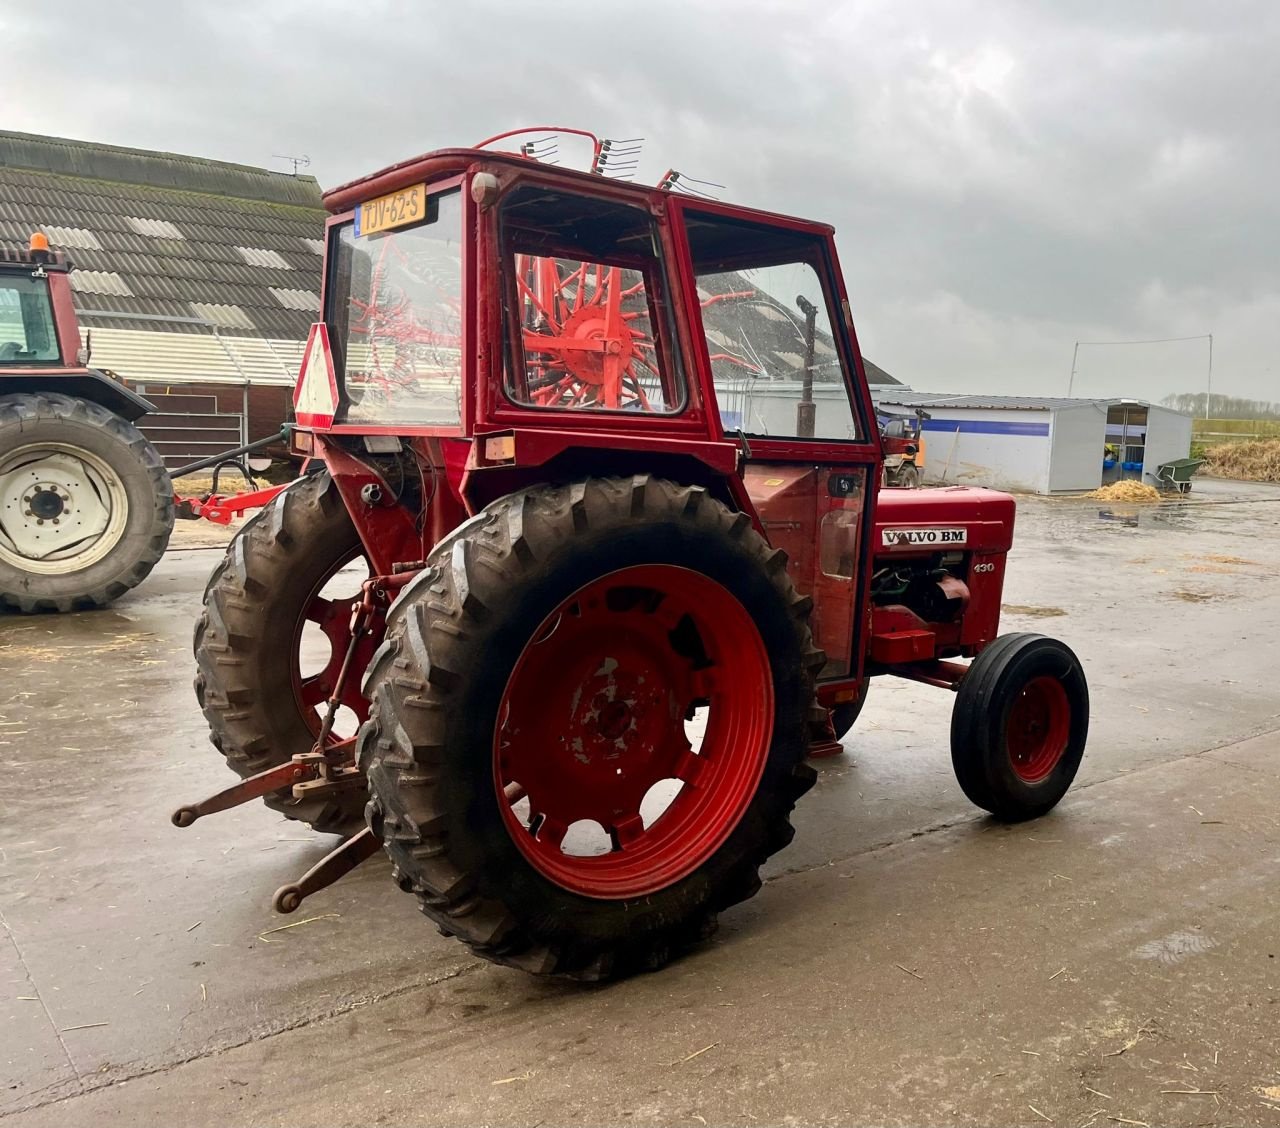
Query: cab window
[(27, 333), (394, 309), (589, 326), (766, 313)]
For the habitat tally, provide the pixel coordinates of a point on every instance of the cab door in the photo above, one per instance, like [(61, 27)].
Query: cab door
[(779, 362)]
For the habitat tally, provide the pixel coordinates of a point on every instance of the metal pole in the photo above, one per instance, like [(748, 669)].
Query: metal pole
[(1208, 389), (1071, 382), (806, 409)]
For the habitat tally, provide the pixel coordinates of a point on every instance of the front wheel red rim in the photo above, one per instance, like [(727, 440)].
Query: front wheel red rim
[(603, 786), (1038, 729)]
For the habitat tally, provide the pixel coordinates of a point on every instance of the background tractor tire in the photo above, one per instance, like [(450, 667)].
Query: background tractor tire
[(68, 459), (443, 712), (1019, 726), (908, 476), (247, 639)]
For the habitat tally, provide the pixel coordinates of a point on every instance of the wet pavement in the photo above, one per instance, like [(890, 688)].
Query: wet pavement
[(908, 961)]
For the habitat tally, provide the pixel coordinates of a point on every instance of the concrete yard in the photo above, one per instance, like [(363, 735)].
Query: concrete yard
[(907, 962)]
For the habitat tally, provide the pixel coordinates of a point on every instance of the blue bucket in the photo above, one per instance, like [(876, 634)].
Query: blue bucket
[(1108, 463)]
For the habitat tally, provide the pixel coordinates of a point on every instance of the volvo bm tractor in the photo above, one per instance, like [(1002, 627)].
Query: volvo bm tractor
[(592, 557)]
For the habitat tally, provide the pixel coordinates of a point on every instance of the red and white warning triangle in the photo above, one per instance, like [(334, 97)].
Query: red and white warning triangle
[(315, 396)]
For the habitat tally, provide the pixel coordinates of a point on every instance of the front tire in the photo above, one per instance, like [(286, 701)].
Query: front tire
[(534, 683), (1019, 726), (86, 506)]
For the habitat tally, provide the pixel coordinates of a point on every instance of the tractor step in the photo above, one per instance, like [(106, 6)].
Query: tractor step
[(329, 869), (821, 749)]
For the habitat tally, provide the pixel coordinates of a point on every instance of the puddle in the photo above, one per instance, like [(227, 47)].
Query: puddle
[(1176, 947), (1129, 519)]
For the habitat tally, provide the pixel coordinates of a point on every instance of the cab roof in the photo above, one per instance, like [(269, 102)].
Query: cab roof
[(23, 257), (443, 163)]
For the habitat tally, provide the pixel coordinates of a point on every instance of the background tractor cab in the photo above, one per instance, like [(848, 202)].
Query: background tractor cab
[(902, 437), (594, 559)]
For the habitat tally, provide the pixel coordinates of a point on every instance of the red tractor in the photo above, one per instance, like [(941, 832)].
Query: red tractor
[(902, 439), (591, 559), (86, 507), (86, 504)]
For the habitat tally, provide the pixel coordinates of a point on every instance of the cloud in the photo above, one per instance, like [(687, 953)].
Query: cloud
[(1006, 177)]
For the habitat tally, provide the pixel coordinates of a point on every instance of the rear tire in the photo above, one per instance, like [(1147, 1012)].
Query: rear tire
[(445, 715), (247, 641), (908, 477), (79, 461), (1019, 726)]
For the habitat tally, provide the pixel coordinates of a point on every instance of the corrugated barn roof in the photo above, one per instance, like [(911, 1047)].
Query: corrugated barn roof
[(985, 402), (156, 235)]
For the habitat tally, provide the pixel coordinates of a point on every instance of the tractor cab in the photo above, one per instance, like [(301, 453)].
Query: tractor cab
[(37, 323), (41, 348), (523, 321)]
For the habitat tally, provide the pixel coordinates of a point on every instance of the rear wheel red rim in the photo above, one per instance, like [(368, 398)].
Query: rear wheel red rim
[(331, 613), (1038, 728), (591, 735)]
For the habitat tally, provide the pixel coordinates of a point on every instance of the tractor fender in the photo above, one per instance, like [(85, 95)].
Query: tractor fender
[(84, 383), (481, 485)]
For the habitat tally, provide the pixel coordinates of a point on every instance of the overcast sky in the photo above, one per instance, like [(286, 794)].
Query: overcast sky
[(1006, 177)]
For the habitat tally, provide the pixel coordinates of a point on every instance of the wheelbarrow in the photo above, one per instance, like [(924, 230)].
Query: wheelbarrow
[(1176, 475)]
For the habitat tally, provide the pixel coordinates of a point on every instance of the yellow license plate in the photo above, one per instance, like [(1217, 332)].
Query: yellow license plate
[(395, 209)]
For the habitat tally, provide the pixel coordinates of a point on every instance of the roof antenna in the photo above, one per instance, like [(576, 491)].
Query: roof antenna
[(617, 160), (683, 184), (303, 161)]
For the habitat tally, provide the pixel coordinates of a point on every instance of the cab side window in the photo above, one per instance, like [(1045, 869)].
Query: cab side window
[(766, 314), (589, 323)]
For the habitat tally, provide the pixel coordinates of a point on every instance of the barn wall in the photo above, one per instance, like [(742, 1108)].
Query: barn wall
[(1168, 438), (1077, 439), (1004, 449)]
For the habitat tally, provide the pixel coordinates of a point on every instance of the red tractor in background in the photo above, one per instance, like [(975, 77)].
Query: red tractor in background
[(902, 439), (86, 507), (592, 558), (86, 504)]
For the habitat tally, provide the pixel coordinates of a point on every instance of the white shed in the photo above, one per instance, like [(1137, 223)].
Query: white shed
[(1042, 444)]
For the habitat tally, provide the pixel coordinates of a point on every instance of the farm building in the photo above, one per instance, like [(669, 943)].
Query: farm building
[(197, 279), (1042, 444)]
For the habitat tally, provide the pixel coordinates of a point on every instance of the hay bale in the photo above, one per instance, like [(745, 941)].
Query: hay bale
[(201, 482), (1126, 491), (1257, 461)]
